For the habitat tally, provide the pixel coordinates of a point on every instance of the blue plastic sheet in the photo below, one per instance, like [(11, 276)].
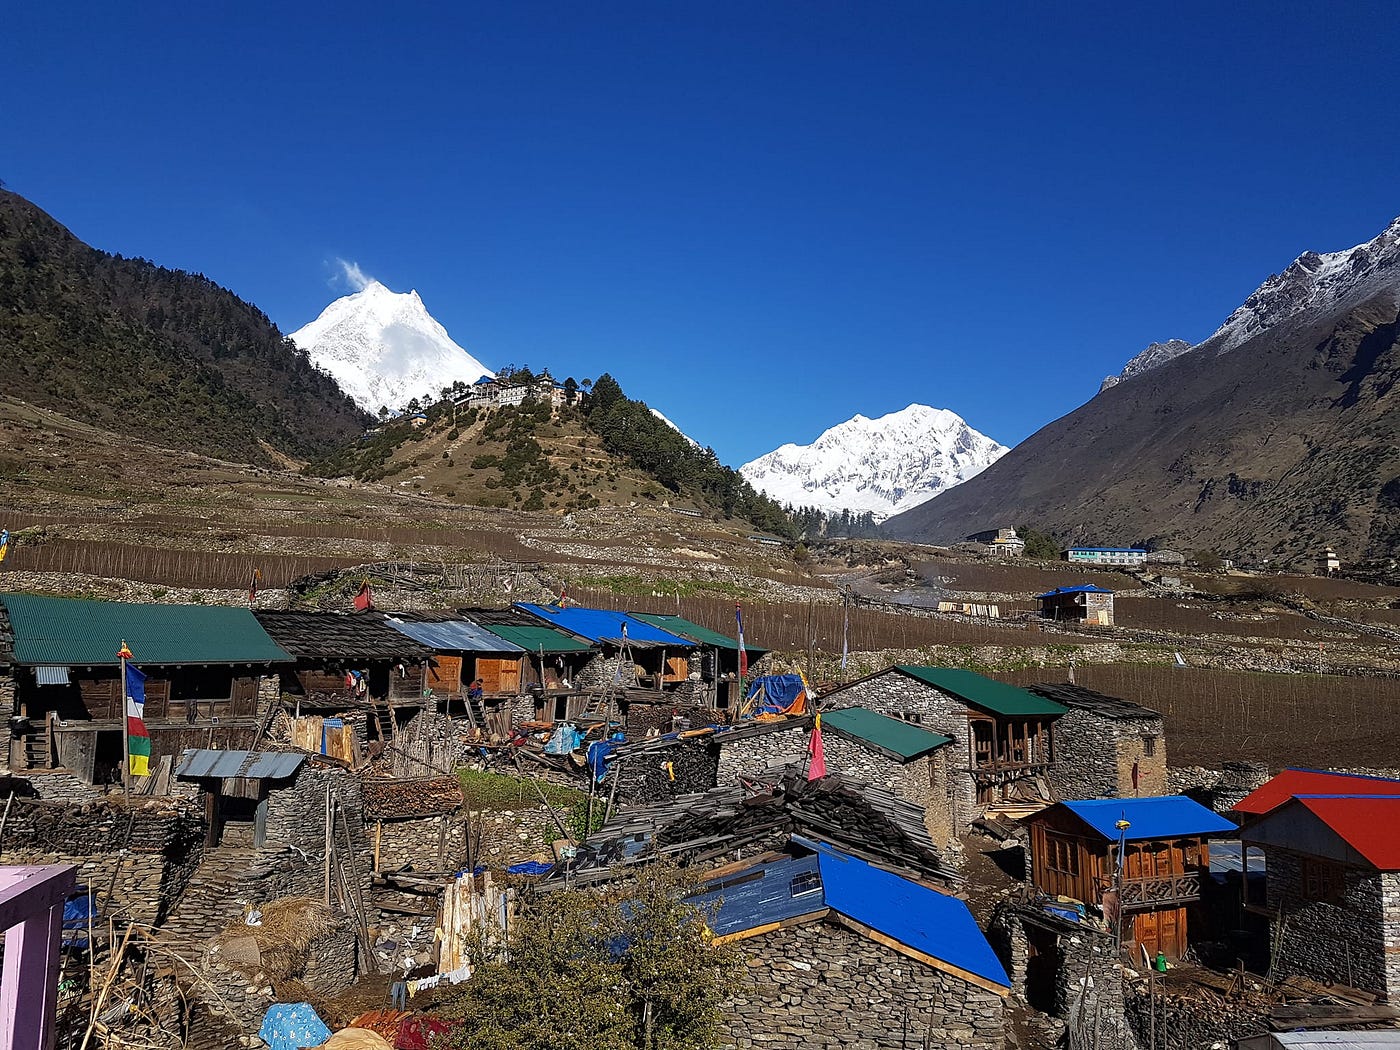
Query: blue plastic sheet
[(779, 692), (566, 738), (76, 911), (530, 867), (292, 1026)]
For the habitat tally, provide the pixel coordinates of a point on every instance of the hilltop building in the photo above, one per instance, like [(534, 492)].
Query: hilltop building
[(1328, 564), (1108, 557)]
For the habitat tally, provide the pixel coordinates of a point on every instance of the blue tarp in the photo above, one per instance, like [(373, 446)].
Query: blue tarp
[(779, 692), (530, 867), (599, 753), (75, 919), (566, 738), (604, 625), (292, 1026)]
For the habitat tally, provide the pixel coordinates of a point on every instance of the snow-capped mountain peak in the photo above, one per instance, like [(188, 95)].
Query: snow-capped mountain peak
[(384, 348), (1314, 281), (657, 413), (885, 465)]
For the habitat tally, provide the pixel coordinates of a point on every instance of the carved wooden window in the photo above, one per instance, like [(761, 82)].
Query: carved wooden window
[(1323, 880)]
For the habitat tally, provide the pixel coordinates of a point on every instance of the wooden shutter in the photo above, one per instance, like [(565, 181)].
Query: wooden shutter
[(446, 677)]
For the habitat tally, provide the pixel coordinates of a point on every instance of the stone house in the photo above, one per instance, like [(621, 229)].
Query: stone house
[(905, 759), (1105, 747), (841, 953), (1003, 737), (1082, 603), (717, 656), (416, 824), (210, 672), (1140, 860), (1332, 876), (350, 662)]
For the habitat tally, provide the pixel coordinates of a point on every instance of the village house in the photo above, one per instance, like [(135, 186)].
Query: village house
[(1075, 853), (1082, 603), (635, 653), (874, 959), (550, 667), (1003, 737), (1332, 875), (1105, 747), (718, 669), (1110, 557), (417, 825), (465, 653), (999, 543), (209, 670), (350, 662)]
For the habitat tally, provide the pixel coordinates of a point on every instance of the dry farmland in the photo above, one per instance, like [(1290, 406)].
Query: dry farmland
[(1281, 719)]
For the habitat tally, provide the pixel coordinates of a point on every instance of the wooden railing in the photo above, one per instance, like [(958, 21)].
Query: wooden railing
[(1161, 889)]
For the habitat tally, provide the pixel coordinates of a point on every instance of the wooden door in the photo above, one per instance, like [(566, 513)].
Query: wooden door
[(446, 676), (499, 676), (677, 669), (1163, 930)]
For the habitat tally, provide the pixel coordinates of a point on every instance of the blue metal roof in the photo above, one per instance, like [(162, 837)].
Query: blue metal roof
[(1083, 588), (1110, 550), (603, 625), (453, 636), (1159, 817), (931, 923)]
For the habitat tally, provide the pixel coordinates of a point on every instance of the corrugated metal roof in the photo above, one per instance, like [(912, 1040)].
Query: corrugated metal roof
[(253, 765), (695, 632), (891, 735), (1291, 782), (986, 693), (1082, 588), (1106, 550), (76, 632), (453, 636), (53, 675), (769, 893), (1331, 1039), (1158, 817), (1084, 699), (604, 625), (535, 639), (1366, 823)]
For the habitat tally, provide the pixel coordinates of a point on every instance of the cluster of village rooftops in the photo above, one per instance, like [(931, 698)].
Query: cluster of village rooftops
[(833, 828)]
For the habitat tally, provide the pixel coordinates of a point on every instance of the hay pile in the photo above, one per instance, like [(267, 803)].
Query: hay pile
[(281, 945)]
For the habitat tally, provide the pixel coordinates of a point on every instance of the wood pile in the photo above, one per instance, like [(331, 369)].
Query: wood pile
[(401, 799)]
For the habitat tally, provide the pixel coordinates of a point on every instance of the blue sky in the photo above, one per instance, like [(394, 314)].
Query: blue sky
[(761, 218)]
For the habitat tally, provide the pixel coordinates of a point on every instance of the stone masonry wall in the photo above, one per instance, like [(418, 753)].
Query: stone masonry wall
[(1344, 942), (820, 986), (1094, 756), (757, 755), (414, 843)]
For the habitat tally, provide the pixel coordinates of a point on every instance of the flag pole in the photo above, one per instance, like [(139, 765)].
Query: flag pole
[(126, 729)]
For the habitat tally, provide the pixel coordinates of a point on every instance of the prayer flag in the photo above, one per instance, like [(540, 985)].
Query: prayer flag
[(816, 766), (743, 653), (364, 600), (563, 595), (4, 543), (138, 737), (253, 585)]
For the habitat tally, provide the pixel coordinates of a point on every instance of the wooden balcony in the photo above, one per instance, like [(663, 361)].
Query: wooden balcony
[(1158, 890)]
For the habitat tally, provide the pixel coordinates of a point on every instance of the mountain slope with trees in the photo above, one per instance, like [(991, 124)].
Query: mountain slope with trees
[(159, 354)]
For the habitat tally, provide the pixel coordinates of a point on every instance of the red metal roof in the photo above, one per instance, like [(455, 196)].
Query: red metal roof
[(1365, 822), (1292, 782)]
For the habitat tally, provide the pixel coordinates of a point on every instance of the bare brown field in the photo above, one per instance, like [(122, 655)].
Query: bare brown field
[(1321, 589), (179, 568), (1281, 719), (1166, 614), (980, 577)]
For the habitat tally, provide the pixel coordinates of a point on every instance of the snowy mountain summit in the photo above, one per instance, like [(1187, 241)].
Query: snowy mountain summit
[(1320, 284), (384, 348), (884, 465)]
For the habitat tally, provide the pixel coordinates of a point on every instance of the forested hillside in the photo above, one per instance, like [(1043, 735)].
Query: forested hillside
[(156, 353)]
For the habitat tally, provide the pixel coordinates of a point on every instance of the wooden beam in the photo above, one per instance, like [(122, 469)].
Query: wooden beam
[(796, 920)]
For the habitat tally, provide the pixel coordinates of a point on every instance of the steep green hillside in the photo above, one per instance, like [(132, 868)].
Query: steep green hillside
[(159, 354)]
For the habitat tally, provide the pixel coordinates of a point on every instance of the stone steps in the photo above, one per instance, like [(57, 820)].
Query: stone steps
[(211, 900)]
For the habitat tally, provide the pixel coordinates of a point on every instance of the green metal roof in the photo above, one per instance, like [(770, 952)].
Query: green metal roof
[(896, 738), (693, 631), (75, 632), (987, 693), (534, 639)]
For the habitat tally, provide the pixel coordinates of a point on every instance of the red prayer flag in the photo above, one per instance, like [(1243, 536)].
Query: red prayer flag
[(364, 600), (816, 766)]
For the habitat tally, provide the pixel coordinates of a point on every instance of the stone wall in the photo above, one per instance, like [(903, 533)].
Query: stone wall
[(414, 842), (506, 837), (7, 695), (756, 755), (296, 823), (62, 786), (1094, 756), (821, 985), (138, 860), (1354, 941)]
